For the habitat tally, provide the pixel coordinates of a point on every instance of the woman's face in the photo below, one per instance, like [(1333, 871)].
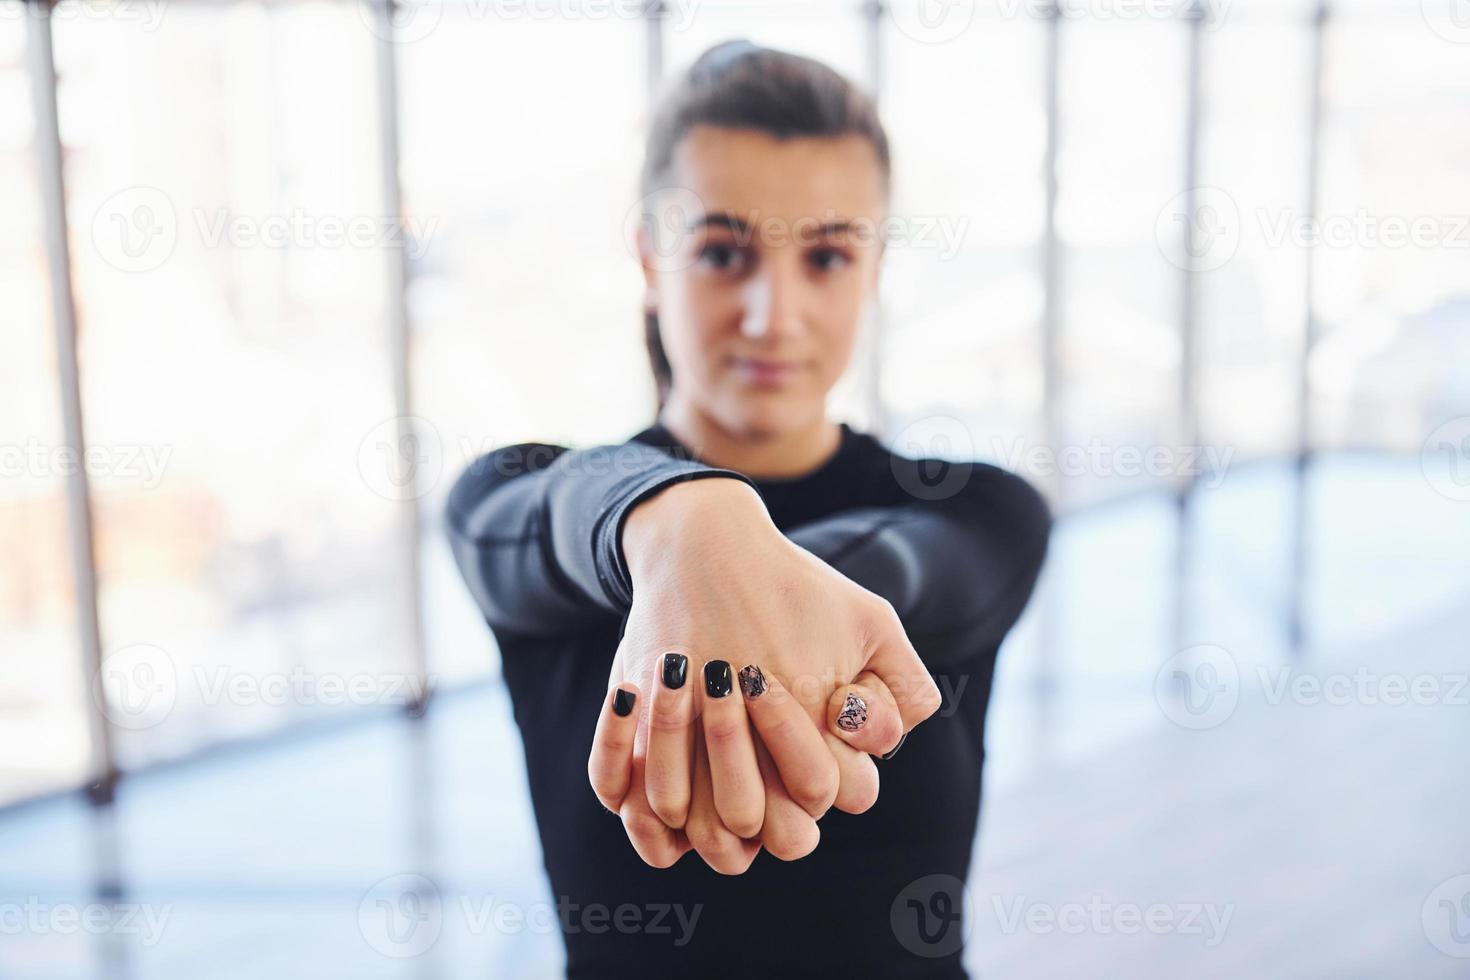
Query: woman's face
[(761, 261)]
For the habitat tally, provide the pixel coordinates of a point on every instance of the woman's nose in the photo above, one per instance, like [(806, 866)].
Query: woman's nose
[(772, 306)]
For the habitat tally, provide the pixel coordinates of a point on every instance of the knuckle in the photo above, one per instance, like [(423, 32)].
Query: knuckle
[(669, 714), (857, 798), (792, 839), (643, 827), (814, 792), (722, 733), (745, 820), (671, 814), (705, 835), (779, 729)]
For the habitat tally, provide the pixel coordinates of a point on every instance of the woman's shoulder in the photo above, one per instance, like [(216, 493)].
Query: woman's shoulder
[(924, 473)]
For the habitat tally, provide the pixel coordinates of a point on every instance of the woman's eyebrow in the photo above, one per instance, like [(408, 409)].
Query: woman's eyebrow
[(743, 231), (724, 219)]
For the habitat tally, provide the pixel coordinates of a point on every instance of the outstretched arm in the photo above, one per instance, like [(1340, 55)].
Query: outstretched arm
[(958, 570), (536, 529)]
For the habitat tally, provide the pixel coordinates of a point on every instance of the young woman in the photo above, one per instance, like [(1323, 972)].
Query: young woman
[(722, 621)]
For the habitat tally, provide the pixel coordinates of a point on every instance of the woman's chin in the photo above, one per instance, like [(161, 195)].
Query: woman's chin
[(768, 414)]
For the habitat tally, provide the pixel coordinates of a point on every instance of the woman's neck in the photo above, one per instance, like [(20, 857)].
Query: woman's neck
[(778, 455)]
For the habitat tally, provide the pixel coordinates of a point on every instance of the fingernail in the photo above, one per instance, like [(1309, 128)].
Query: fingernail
[(623, 702), (894, 751), (854, 713), (717, 678), (676, 668), (752, 681)]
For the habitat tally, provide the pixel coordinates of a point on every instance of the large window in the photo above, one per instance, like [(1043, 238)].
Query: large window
[(229, 241), (236, 250)]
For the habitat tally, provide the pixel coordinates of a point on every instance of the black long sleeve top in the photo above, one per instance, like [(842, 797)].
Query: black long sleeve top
[(955, 547)]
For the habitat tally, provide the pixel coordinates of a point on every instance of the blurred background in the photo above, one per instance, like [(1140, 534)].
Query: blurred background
[(273, 273)]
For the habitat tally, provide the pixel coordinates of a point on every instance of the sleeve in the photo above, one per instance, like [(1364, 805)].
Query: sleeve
[(536, 529), (958, 571)]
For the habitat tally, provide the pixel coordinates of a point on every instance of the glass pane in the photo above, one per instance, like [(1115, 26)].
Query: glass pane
[(1393, 233), (527, 306), (43, 722), (962, 287), (1252, 292), (1120, 160), (230, 257)]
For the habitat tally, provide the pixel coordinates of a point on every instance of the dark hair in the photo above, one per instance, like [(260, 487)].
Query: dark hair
[(740, 85)]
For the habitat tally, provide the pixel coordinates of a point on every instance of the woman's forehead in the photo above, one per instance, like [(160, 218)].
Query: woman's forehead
[(745, 172)]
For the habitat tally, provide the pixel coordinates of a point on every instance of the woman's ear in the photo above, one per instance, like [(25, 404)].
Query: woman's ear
[(647, 259)]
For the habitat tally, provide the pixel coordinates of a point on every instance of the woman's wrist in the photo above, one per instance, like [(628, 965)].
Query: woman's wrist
[(690, 515)]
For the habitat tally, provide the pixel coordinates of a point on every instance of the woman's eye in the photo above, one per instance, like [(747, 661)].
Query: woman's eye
[(828, 260), (721, 257)]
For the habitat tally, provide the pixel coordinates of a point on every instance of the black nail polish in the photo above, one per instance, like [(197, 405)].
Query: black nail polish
[(623, 702), (676, 668), (752, 681), (717, 682), (894, 751)]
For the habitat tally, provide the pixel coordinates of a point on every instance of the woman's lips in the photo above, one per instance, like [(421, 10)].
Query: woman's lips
[(763, 372)]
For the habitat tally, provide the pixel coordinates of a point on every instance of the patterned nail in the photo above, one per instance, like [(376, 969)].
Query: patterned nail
[(623, 703), (854, 713), (752, 681), (676, 669), (717, 678)]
